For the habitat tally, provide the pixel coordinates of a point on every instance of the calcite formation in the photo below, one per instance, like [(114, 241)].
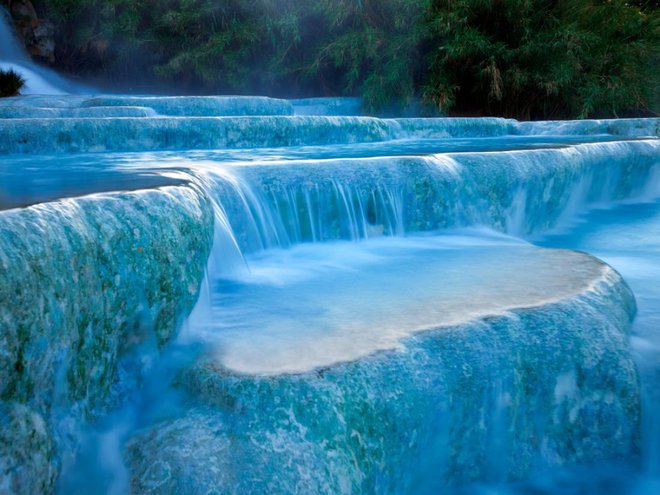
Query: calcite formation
[(83, 281)]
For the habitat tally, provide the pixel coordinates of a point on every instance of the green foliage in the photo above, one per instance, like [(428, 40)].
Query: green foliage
[(542, 58), (11, 83), (371, 47), (519, 58)]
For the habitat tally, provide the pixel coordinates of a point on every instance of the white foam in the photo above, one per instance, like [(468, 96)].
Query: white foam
[(34, 83), (38, 80)]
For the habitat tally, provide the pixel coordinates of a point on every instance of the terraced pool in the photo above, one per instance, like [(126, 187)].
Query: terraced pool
[(243, 295)]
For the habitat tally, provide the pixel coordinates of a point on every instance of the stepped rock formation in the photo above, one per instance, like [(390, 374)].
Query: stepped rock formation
[(184, 263)]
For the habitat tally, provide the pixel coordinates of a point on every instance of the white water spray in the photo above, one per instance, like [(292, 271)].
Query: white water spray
[(38, 80)]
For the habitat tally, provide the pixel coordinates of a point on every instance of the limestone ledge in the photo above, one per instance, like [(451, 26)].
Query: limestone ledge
[(81, 282), (492, 399)]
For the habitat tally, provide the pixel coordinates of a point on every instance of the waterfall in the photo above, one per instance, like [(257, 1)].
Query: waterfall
[(38, 80), (277, 204)]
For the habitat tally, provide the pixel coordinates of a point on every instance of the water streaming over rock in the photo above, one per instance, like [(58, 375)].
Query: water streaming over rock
[(279, 203), (370, 315), (38, 80)]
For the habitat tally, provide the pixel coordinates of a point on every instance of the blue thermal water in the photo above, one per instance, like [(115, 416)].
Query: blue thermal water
[(33, 179), (252, 295), (308, 309), (285, 293), (627, 237), (316, 306), (327, 106)]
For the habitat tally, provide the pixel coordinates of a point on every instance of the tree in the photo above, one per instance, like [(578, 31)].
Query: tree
[(542, 58), (515, 58)]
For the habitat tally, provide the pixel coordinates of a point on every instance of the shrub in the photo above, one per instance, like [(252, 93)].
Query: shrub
[(11, 83)]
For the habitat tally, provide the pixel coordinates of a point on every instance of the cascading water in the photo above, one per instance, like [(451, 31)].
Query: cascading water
[(627, 236), (38, 80), (377, 305)]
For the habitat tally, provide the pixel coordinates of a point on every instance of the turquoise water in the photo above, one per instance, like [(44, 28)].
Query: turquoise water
[(626, 236), (241, 295), (286, 296), (313, 305), (252, 295)]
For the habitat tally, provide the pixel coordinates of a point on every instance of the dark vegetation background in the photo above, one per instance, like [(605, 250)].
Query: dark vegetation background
[(515, 58)]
